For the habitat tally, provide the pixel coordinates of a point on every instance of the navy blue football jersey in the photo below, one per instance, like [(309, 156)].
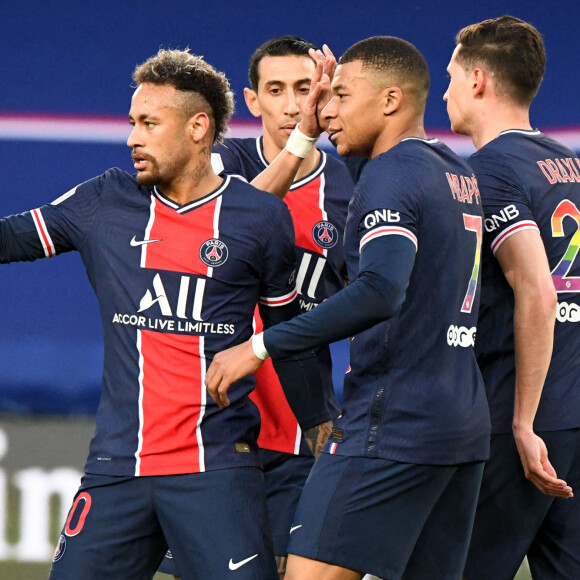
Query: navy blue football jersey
[(529, 181), (318, 205), (176, 284), (414, 392)]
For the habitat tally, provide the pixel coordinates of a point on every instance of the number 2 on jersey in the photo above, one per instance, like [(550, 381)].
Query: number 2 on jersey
[(563, 282)]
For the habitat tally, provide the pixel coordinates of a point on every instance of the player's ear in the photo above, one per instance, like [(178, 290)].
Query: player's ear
[(479, 80), (392, 99), (198, 126), (252, 103)]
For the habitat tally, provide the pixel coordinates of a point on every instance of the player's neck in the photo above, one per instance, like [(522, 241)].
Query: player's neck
[(495, 120), (395, 134), (193, 185)]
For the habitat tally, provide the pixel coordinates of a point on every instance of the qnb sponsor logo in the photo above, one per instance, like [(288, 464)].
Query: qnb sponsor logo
[(381, 216), (507, 214), (461, 336), (568, 312)]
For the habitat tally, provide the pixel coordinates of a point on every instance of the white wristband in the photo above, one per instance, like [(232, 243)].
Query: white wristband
[(258, 346), (299, 144)]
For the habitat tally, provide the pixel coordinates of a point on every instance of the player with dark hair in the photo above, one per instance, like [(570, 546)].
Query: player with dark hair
[(394, 491), (178, 257), (530, 188), (281, 74)]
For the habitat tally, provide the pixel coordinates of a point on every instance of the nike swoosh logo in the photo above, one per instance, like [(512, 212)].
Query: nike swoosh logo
[(293, 528), (135, 242), (236, 565)]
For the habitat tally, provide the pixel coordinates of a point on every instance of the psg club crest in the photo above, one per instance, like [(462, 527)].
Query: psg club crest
[(60, 548), (213, 253), (325, 235)]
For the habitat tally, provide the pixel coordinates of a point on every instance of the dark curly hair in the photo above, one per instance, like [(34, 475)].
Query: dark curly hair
[(206, 89)]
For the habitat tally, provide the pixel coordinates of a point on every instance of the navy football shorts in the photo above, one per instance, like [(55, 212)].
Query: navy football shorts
[(514, 518), (284, 477), (216, 523), (387, 518)]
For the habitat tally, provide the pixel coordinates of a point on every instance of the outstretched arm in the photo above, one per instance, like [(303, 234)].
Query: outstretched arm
[(376, 295), (523, 260)]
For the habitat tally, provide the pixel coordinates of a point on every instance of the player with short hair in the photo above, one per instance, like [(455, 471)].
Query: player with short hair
[(178, 257), (281, 73), (394, 491), (530, 188)]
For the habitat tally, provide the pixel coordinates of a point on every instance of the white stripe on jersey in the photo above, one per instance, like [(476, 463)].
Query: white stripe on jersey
[(513, 229), (203, 403), (148, 231), (388, 231), (298, 440), (64, 196), (321, 199), (43, 234), (140, 407), (278, 300)]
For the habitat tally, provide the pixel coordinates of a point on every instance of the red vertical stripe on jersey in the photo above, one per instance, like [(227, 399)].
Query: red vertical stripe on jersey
[(304, 205), (184, 234), (279, 430), (173, 393), (172, 403)]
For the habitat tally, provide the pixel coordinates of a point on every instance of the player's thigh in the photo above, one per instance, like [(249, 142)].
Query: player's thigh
[(216, 524), (555, 551), (441, 549), (284, 477), (509, 513), (111, 532), (365, 514)]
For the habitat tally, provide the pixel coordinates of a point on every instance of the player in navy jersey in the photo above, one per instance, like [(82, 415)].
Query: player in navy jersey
[(530, 188), (281, 73), (178, 257), (394, 491)]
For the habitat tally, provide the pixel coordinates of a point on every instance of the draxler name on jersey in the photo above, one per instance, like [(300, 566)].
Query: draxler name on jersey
[(561, 170)]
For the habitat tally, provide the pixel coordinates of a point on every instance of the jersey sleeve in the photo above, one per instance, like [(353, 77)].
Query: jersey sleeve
[(506, 207), (386, 203), (52, 229), (386, 226)]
